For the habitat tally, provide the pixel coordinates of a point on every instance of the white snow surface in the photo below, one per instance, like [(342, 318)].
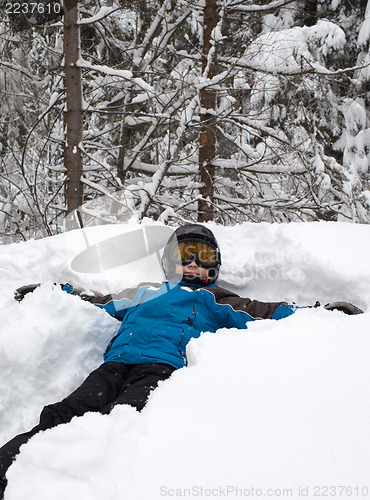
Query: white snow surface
[(278, 410)]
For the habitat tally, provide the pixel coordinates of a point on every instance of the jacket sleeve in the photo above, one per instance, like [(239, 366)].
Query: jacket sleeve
[(235, 311), (115, 304)]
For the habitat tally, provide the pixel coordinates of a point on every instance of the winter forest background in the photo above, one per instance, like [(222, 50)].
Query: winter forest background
[(231, 111)]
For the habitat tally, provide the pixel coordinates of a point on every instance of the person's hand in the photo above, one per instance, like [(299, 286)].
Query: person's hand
[(23, 290), (345, 307)]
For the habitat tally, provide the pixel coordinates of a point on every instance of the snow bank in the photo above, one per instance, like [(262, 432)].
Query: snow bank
[(278, 410)]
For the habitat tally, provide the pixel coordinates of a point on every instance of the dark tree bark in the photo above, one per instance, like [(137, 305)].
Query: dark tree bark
[(310, 13), (207, 139), (73, 114)]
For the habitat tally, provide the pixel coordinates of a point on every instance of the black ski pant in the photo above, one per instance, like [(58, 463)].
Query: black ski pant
[(109, 385)]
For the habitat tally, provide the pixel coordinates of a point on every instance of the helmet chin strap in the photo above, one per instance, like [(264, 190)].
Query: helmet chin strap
[(197, 280)]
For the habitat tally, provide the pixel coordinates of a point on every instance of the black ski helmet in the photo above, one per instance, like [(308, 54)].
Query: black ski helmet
[(196, 232)]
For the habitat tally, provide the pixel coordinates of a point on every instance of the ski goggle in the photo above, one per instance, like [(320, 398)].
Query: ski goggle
[(204, 254)]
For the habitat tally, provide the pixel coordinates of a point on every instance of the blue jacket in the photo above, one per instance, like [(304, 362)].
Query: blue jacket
[(158, 320)]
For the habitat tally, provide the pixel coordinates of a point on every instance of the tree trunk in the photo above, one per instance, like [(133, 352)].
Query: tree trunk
[(310, 13), (73, 115), (207, 139)]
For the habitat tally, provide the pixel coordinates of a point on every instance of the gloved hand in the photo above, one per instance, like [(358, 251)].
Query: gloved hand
[(23, 290), (345, 307)]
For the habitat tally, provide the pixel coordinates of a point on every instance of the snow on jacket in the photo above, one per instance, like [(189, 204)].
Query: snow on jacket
[(158, 320)]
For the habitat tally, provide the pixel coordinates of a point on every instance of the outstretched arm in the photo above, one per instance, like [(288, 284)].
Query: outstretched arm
[(114, 304), (235, 311)]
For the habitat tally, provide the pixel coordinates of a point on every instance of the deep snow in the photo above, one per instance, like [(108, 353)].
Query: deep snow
[(278, 410)]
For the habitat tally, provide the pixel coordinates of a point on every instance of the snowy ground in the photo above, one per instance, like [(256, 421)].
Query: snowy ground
[(281, 410)]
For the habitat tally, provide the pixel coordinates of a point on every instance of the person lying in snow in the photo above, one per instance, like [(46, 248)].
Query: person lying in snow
[(158, 321)]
